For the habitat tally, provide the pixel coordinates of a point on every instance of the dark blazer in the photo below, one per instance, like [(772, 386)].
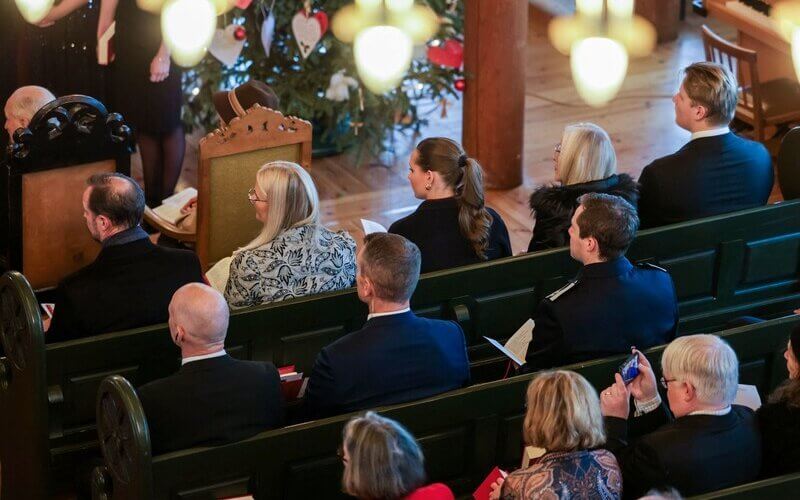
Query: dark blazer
[(127, 286), (695, 454), (212, 402), (553, 206), (708, 176), (393, 359), (434, 228), (610, 307), (780, 433)]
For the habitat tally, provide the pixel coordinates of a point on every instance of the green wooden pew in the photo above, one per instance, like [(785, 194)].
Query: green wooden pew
[(463, 433), (746, 262), (778, 488)]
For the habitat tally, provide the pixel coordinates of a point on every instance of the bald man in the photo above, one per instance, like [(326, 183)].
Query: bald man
[(22, 105), (213, 399), (131, 281)]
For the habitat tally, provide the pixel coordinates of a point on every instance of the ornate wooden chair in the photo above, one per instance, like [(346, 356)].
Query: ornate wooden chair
[(42, 183), (761, 104), (229, 159)]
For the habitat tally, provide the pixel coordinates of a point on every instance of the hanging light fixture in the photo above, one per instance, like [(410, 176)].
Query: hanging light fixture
[(188, 27), (786, 15), (599, 38), (383, 33), (34, 11)]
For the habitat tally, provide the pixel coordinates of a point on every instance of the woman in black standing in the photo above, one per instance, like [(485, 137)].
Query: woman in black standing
[(147, 91), (452, 226)]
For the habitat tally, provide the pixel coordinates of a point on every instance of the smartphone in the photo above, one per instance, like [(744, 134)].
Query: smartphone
[(630, 368)]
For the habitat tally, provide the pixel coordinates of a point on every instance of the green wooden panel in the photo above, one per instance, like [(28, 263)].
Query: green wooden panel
[(772, 259), (693, 274)]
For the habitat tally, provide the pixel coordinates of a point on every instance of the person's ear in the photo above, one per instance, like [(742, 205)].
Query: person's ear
[(700, 112), (24, 122), (590, 244), (179, 335), (689, 392), (367, 286), (103, 222)]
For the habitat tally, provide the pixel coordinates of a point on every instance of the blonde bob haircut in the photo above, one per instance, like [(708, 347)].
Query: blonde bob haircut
[(563, 413), (292, 198), (384, 459), (586, 154), (708, 363)]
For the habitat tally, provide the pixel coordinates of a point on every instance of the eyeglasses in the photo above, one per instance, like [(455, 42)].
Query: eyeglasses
[(340, 454), (665, 382), (252, 196), (557, 148)]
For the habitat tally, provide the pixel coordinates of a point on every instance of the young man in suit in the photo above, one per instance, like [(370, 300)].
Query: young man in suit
[(612, 304), (716, 171), (213, 399), (397, 356), (131, 281), (710, 444)]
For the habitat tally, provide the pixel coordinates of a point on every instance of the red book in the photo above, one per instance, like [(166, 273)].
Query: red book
[(485, 489), (292, 383)]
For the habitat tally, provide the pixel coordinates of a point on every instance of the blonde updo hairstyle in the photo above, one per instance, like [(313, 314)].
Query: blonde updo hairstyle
[(464, 176), (587, 154), (292, 198)]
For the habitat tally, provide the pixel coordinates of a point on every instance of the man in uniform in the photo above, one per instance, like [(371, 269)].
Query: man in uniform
[(612, 304)]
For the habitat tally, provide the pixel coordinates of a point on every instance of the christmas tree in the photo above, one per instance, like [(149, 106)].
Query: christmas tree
[(301, 83)]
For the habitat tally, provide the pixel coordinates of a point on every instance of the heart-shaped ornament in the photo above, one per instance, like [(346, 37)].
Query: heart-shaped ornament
[(449, 54), (268, 32), (308, 30), (225, 47)]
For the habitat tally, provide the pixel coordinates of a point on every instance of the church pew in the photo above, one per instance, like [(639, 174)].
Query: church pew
[(463, 433), (785, 486), (723, 266)]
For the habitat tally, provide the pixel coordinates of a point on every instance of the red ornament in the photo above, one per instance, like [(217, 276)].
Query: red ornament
[(240, 33), (449, 54), (460, 84)]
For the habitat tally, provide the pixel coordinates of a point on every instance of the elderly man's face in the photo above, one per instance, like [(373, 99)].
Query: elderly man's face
[(13, 122), (90, 217)]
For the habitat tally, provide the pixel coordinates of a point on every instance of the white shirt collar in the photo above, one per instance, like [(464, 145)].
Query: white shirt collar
[(717, 413), (710, 133), (203, 356), (390, 313)]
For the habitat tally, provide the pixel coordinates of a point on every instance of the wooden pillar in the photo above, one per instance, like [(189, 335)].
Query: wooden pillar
[(495, 36)]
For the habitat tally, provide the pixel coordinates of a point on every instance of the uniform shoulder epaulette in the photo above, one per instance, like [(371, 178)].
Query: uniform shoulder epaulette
[(648, 265), (561, 291)]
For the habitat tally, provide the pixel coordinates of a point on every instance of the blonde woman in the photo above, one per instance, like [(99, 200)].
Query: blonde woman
[(564, 419), (585, 162), (294, 255), (452, 226), (382, 461)]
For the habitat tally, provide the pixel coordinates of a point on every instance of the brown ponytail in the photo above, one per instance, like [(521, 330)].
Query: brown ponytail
[(465, 176)]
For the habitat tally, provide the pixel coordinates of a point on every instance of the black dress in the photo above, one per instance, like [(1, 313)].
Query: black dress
[(780, 438), (152, 108), (434, 228)]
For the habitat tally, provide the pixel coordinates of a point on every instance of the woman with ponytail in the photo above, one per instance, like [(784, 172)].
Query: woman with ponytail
[(452, 226)]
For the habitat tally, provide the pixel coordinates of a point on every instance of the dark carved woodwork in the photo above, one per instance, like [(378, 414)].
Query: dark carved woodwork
[(71, 130)]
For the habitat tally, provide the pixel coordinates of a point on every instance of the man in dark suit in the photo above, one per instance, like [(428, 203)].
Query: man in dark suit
[(710, 444), (131, 281), (397, 356), (717, 171), (213, 399), (612, 304)]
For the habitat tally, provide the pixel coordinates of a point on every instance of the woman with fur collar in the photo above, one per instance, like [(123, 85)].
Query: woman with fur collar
[(585, 162)]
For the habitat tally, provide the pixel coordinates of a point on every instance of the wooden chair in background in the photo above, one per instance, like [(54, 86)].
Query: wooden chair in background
[(229, 159), (761, 104), (42, 183)]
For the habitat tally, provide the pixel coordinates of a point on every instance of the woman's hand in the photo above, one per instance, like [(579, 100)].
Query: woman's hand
[(615, 400), (159, 68), (497, 486), (190, 205)]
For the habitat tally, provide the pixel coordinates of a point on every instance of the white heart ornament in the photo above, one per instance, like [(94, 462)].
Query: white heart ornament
[(225, 47), (307, 33), (267, 32)]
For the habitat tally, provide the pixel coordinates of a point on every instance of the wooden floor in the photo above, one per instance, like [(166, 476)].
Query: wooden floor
[(640, 122)]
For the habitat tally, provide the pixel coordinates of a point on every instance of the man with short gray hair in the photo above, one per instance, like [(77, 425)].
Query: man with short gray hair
[(23, 105), (712, 444), (612, 304), (397, 356), (716, 171), (131, 281)]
